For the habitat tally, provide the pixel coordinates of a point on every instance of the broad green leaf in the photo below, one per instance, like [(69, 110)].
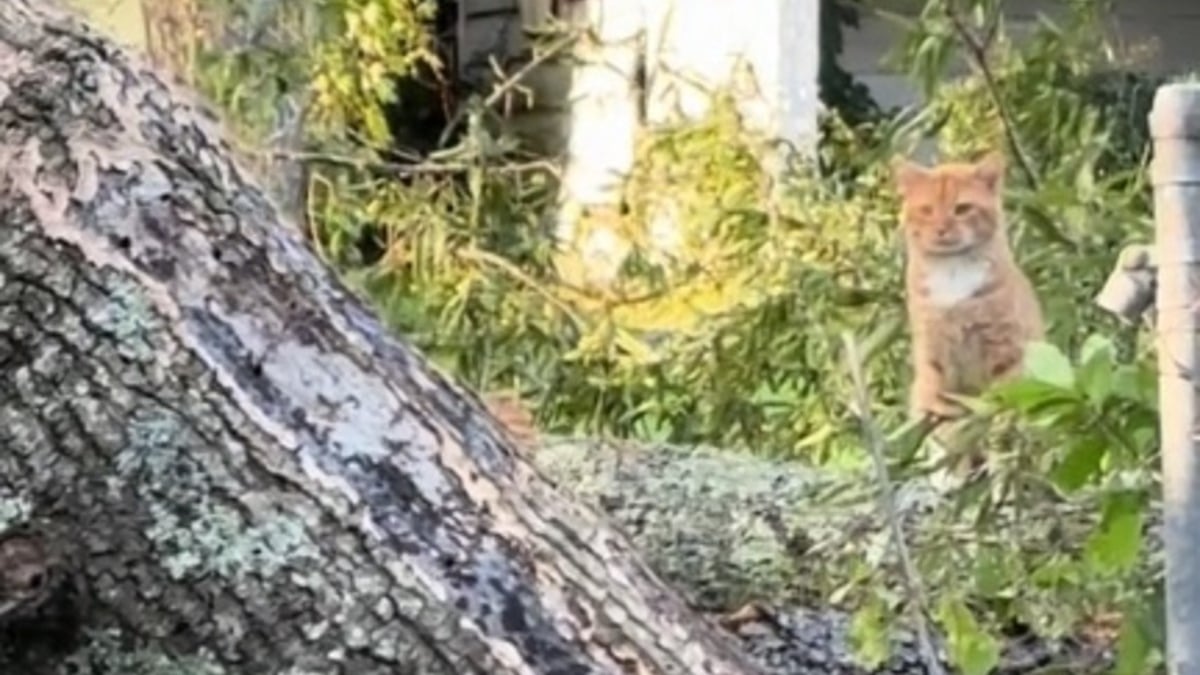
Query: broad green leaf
[(1143, 634), (1095, 347), (1029, 396), (1097, 369), (1045, 362), (1146, 435), (1081, 462), (973, 650), (1116, 542), (1096, 380), (1137, 383)]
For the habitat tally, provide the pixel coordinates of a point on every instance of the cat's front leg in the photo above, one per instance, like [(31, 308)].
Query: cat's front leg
[(927, 397), (927, 403), (953, 458)]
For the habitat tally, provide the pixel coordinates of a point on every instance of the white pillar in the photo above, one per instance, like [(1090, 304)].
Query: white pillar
[(1175, 126), (603, 103)]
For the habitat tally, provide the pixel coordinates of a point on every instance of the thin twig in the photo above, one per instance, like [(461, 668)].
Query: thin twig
[(875, 444), (977, 51), (511, 81), (508, 84), (514, 272)]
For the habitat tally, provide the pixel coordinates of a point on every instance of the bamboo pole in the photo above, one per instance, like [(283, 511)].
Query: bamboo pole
[(1175, 127)]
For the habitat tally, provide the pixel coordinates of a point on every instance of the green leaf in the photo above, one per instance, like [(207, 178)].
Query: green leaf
[(1097, 369), (869, 634), (1081, 462), (1029, 396), (1096, 380), (653, 427), (1055, 572), (991, 573), (1046, 363), (1137, 383), (972, 650), (1143, 635), (1133, 651), (1095, 347), (882, 337), (1116, 542)]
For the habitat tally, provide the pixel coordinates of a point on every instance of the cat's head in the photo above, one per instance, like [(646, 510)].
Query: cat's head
[(951, 208)]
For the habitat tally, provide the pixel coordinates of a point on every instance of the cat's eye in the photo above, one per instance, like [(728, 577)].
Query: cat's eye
[(925, 210), (963, 208)]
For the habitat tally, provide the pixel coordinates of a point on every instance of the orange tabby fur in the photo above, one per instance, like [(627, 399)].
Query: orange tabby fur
[(971, 309), (514, 417)]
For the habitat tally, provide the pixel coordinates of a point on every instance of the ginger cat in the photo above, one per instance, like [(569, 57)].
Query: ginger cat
[(514, 417), (971, 309)]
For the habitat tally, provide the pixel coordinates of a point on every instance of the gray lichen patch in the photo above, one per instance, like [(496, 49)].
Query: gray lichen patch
[(14, 509), (104, 654), (197, 533), (217, 540), (725, 527), (128, 318)]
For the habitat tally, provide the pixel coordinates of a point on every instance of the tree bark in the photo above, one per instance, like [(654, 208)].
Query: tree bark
[(725, 528), (214, 459)]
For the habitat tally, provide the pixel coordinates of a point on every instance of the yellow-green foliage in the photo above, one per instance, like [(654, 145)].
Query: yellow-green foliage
[(705, 179), (354, 74)]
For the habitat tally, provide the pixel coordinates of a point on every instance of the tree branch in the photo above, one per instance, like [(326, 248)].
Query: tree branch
[(874, 441)]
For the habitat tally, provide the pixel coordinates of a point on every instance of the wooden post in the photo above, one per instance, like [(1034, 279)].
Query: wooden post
[(1175, 127)]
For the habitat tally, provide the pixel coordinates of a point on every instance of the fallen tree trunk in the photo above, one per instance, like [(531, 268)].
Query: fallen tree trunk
[(213, 459)]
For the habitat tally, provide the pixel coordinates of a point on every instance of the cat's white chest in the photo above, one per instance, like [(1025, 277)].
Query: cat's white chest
[(949, 281)]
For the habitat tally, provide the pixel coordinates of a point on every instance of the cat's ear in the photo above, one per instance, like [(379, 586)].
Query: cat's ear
[(990, 169), (906, 174)]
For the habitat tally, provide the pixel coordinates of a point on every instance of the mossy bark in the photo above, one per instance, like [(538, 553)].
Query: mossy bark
[(225, 457), (725, 527)]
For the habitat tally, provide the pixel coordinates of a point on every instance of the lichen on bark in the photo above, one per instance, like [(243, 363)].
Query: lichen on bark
[(726, 527)]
